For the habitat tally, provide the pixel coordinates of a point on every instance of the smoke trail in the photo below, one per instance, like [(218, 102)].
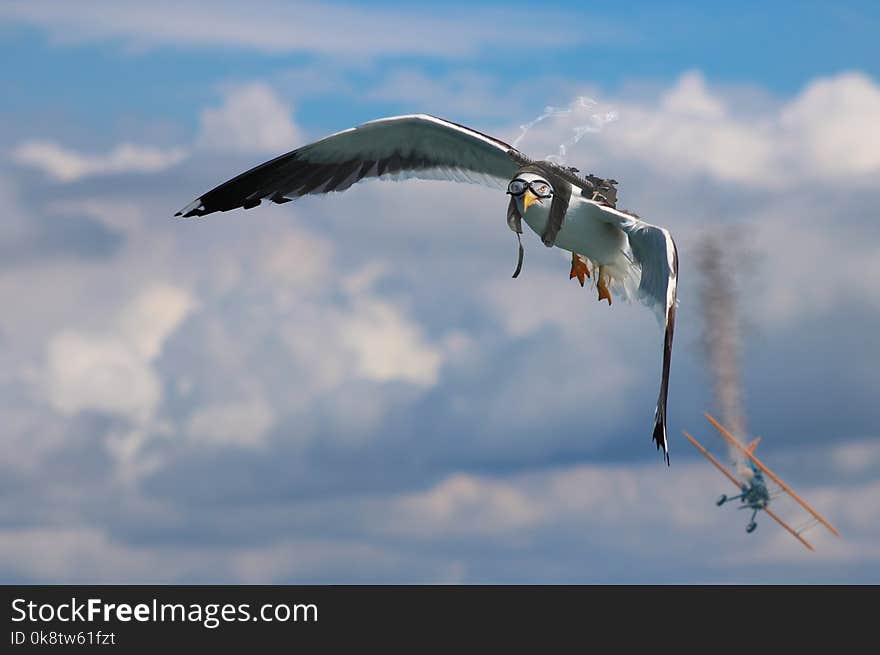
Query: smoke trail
[(721, 333), (548, 112), (586, 115)]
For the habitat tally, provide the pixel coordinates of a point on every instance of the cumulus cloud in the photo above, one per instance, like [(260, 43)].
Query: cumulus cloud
[(74, 555), (599, 502), (66, 165), (251, 119), (113, 372), (796, 246), (148, 320), (825, 132), (242, 422), (465, 525), (101, 374), (857, 457), (833, 125), (465, 505), (520, 505), (274, 26), (387, 346), (377, 413), (691, 97)]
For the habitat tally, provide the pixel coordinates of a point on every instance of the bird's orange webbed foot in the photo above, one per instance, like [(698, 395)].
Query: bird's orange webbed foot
[(580, 268), (602, 286)]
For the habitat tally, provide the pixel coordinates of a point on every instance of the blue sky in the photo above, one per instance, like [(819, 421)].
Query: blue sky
[(352, 389)]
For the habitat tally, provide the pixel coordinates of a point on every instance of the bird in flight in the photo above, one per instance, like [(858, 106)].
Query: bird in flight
[(622, 253)]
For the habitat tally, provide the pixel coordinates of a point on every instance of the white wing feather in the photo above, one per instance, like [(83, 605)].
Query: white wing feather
[(400, 147), (655, 252)]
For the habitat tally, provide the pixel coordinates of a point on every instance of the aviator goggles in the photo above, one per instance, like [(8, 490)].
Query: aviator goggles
[(519, 186)]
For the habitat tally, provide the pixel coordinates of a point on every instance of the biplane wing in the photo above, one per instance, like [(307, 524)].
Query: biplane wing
[(739, 485), (794, 533), (757, 462)]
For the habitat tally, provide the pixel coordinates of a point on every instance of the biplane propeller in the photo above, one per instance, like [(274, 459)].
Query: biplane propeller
[(754, 494)]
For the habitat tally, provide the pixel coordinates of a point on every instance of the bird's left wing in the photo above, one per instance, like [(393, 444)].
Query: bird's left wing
[(654, 251), (399, 147)]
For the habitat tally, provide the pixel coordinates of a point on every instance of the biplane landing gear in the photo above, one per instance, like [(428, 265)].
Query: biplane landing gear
[(724, 498), (752, 525)]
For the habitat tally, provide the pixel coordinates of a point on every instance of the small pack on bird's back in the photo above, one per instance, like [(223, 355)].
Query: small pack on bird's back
[(605, 190)]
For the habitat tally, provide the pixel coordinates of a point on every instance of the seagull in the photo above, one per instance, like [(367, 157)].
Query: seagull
[(616, 249)]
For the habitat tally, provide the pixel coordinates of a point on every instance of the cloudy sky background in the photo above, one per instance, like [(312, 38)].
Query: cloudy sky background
[(352, 388)]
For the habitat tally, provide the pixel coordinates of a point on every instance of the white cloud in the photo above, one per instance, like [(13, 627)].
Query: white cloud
[(606, 509), (599, 504), (678, 139), (113, 372), (89, 555), (691, 97), (364, 337), (833, 124), (589, 355), (798, 251), (148, 320), (239, 422), (100, 373), (857, 457), (853, 508), (275, 26), (465, 505), (251, 119), (297, 333), (67, 165), (826, 131), (619, 504), (296, 263), (387, 345), (64, 554)]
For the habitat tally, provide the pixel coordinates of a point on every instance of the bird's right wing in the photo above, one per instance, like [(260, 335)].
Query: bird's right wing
[(399, 147), (654, 251)]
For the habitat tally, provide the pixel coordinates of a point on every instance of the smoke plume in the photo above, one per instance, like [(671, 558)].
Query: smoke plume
[(722, 330)]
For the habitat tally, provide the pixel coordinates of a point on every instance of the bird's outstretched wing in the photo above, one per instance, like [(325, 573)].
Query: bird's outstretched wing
[(654, 251), (399, 147)]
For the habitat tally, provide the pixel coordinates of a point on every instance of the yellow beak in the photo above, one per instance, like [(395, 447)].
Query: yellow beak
[(529, 199)]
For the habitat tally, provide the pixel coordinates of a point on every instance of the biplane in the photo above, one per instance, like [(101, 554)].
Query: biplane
[(755, 494)]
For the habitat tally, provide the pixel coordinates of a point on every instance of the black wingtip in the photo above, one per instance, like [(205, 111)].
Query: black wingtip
[(179, 214), (660, 438)]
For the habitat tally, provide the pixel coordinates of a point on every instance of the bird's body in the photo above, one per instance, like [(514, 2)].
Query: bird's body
[(586, 233), (583, 232), (623, 253)]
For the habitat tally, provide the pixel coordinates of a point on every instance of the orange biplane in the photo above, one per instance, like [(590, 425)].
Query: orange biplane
[(754, 494)]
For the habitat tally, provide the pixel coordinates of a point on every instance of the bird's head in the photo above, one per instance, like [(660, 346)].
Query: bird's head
[(527, 189)]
